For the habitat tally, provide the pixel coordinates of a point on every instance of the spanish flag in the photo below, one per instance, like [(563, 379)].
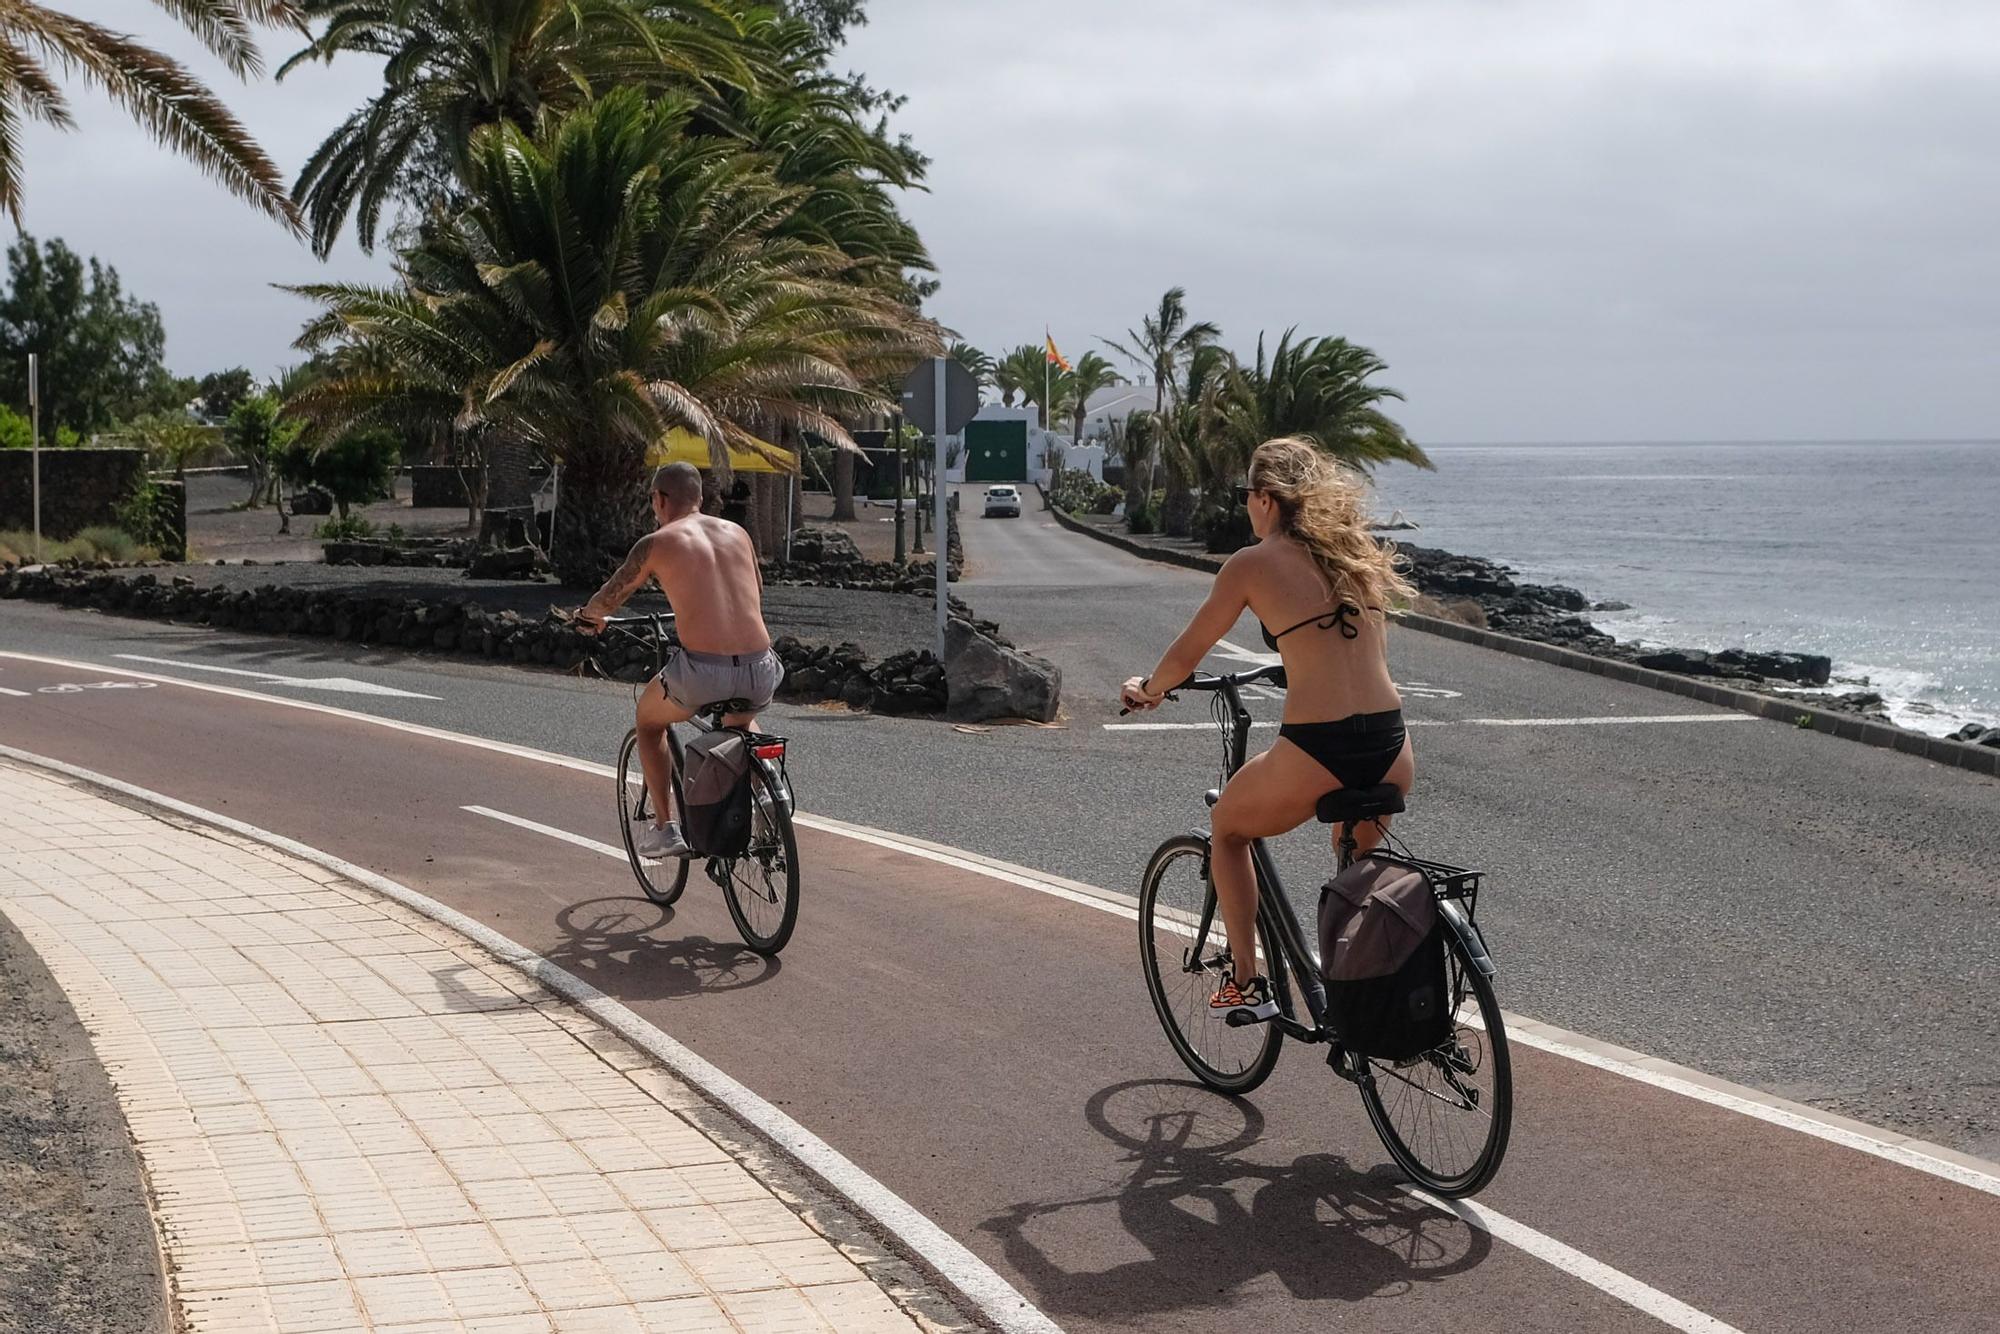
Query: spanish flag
[(1055, 357)]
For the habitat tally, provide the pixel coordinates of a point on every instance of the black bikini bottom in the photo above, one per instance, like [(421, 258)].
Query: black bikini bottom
[(1359, 749)]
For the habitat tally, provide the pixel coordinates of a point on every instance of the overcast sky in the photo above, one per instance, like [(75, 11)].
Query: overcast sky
[(1555, 219)]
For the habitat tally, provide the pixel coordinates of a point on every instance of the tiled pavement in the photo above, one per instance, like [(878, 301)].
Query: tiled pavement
[(351, 1118)]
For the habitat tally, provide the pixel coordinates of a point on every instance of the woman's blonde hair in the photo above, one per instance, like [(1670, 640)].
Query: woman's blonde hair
[(1320, 507)]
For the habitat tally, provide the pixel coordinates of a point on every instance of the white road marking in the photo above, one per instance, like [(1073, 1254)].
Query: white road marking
[(1174, 727), (343, 685), (550, 830), (1237, 653), (18, 694), (998, 1299), (1477, 722), (1614, 719), (1902, 1150), (1639, 1296)]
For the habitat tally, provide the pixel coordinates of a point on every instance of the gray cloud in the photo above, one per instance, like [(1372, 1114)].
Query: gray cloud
[(1580, 220), (1557, 219)]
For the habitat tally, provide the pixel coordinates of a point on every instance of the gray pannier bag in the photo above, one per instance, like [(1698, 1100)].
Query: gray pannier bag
[(1382, 957), (715, 793)]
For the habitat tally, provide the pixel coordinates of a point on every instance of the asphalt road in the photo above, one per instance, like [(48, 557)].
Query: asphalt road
[(986, 1052), (1779, 908)]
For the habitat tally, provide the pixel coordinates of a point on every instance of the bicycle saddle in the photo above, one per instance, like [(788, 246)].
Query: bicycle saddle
[(1351, 805), (722, 708)]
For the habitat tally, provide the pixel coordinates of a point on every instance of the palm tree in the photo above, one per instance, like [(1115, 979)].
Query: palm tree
[(1317, 388), (1019, 369), (455, 66), (979, 363), (1090, 374), (176, 108), (610, 279), (1161, 345)]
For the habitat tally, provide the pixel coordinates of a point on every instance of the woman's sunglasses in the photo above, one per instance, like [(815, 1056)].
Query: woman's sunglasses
[(1243, 494)]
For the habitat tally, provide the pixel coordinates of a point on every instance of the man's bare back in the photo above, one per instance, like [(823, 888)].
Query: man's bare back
[(707, 567)]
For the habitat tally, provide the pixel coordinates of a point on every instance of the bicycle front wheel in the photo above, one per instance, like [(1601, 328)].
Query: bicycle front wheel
[(762, 888), (1182, 972), (1445, 1116), (662, 881)]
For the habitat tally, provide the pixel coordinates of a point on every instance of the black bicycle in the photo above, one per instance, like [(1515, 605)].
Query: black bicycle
[(1444, 1115), (761, 886)]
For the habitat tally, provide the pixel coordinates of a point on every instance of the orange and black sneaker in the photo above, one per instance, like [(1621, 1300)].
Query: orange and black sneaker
[(1252, 996)]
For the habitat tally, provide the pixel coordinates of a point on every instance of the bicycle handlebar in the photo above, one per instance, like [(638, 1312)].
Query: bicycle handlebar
[(1274, 674), (664, 616)]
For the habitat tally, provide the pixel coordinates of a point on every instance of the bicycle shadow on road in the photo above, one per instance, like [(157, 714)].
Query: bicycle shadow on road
[(615, 944), (1212, 1223)]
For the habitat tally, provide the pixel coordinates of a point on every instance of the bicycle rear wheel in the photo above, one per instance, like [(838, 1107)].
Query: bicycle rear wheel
[(1174, 898), (1445, 1116), (762, 887), (662, 881)]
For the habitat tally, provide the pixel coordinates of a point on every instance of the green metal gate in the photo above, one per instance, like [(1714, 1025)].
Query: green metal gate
[(996, 451)]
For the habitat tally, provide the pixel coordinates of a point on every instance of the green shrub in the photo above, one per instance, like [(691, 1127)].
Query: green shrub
[(351, 529), (358, 467), (17, 432), (105, 542), (1108, 500), (1075, 492), (1141, 521), (148, 513)]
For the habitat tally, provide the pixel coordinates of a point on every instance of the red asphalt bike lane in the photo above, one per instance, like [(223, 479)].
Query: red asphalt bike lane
[(988, 1053)]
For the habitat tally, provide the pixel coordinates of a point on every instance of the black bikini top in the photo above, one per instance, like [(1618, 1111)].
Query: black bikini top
[(1325, 620)]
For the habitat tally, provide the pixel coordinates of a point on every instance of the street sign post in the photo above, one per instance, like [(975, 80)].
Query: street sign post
[(35, 443), (940, 398)]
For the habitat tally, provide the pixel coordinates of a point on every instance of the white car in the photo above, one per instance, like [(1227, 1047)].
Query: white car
[(1003, 500)]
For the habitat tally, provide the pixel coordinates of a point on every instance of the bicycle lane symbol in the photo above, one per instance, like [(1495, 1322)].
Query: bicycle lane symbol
[(78, 687)]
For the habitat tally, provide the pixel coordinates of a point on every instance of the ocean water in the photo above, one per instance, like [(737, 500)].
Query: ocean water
[(1885, 556)]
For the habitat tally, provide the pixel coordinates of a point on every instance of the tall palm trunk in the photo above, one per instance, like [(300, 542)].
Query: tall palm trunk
[(843, 485), (600, 512), (1177, 510)]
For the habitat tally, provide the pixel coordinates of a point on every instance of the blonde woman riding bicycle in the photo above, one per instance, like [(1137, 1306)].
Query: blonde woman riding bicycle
[(1317, 573)]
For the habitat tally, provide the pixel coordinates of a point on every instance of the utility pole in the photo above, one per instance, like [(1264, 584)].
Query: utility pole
[(896, 454), (917, 502), (35, 443), (939, 526)]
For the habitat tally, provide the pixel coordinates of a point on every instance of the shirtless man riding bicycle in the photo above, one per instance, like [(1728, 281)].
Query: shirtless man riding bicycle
[(708, 569)]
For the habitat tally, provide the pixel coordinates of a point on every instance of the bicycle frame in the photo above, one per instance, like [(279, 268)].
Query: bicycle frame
[(1279, 924)]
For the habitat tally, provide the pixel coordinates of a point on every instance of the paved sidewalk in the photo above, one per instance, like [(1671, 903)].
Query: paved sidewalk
[(352, 1118)]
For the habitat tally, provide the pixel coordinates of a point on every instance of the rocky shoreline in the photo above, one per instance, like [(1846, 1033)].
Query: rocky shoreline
[(1485, 593)]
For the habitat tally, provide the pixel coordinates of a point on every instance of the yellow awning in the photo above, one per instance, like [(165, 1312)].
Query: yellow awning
[(684, 446)]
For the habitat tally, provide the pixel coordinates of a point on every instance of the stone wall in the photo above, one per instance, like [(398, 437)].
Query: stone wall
[(80, 487), (437, 486), (912, 681)]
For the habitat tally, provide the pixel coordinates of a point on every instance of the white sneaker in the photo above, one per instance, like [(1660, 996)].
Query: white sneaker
[(657, 843)]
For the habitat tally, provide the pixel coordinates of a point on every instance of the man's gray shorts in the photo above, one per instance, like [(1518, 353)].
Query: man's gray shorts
[(696, 680)]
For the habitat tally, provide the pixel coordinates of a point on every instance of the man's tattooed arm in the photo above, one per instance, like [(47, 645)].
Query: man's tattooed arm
[(626, 580)]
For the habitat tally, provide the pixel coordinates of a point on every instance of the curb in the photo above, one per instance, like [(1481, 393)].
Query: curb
[(1884, 736)]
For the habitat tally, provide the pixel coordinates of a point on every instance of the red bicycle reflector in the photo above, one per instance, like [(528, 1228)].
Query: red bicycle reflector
[(773, 751)]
